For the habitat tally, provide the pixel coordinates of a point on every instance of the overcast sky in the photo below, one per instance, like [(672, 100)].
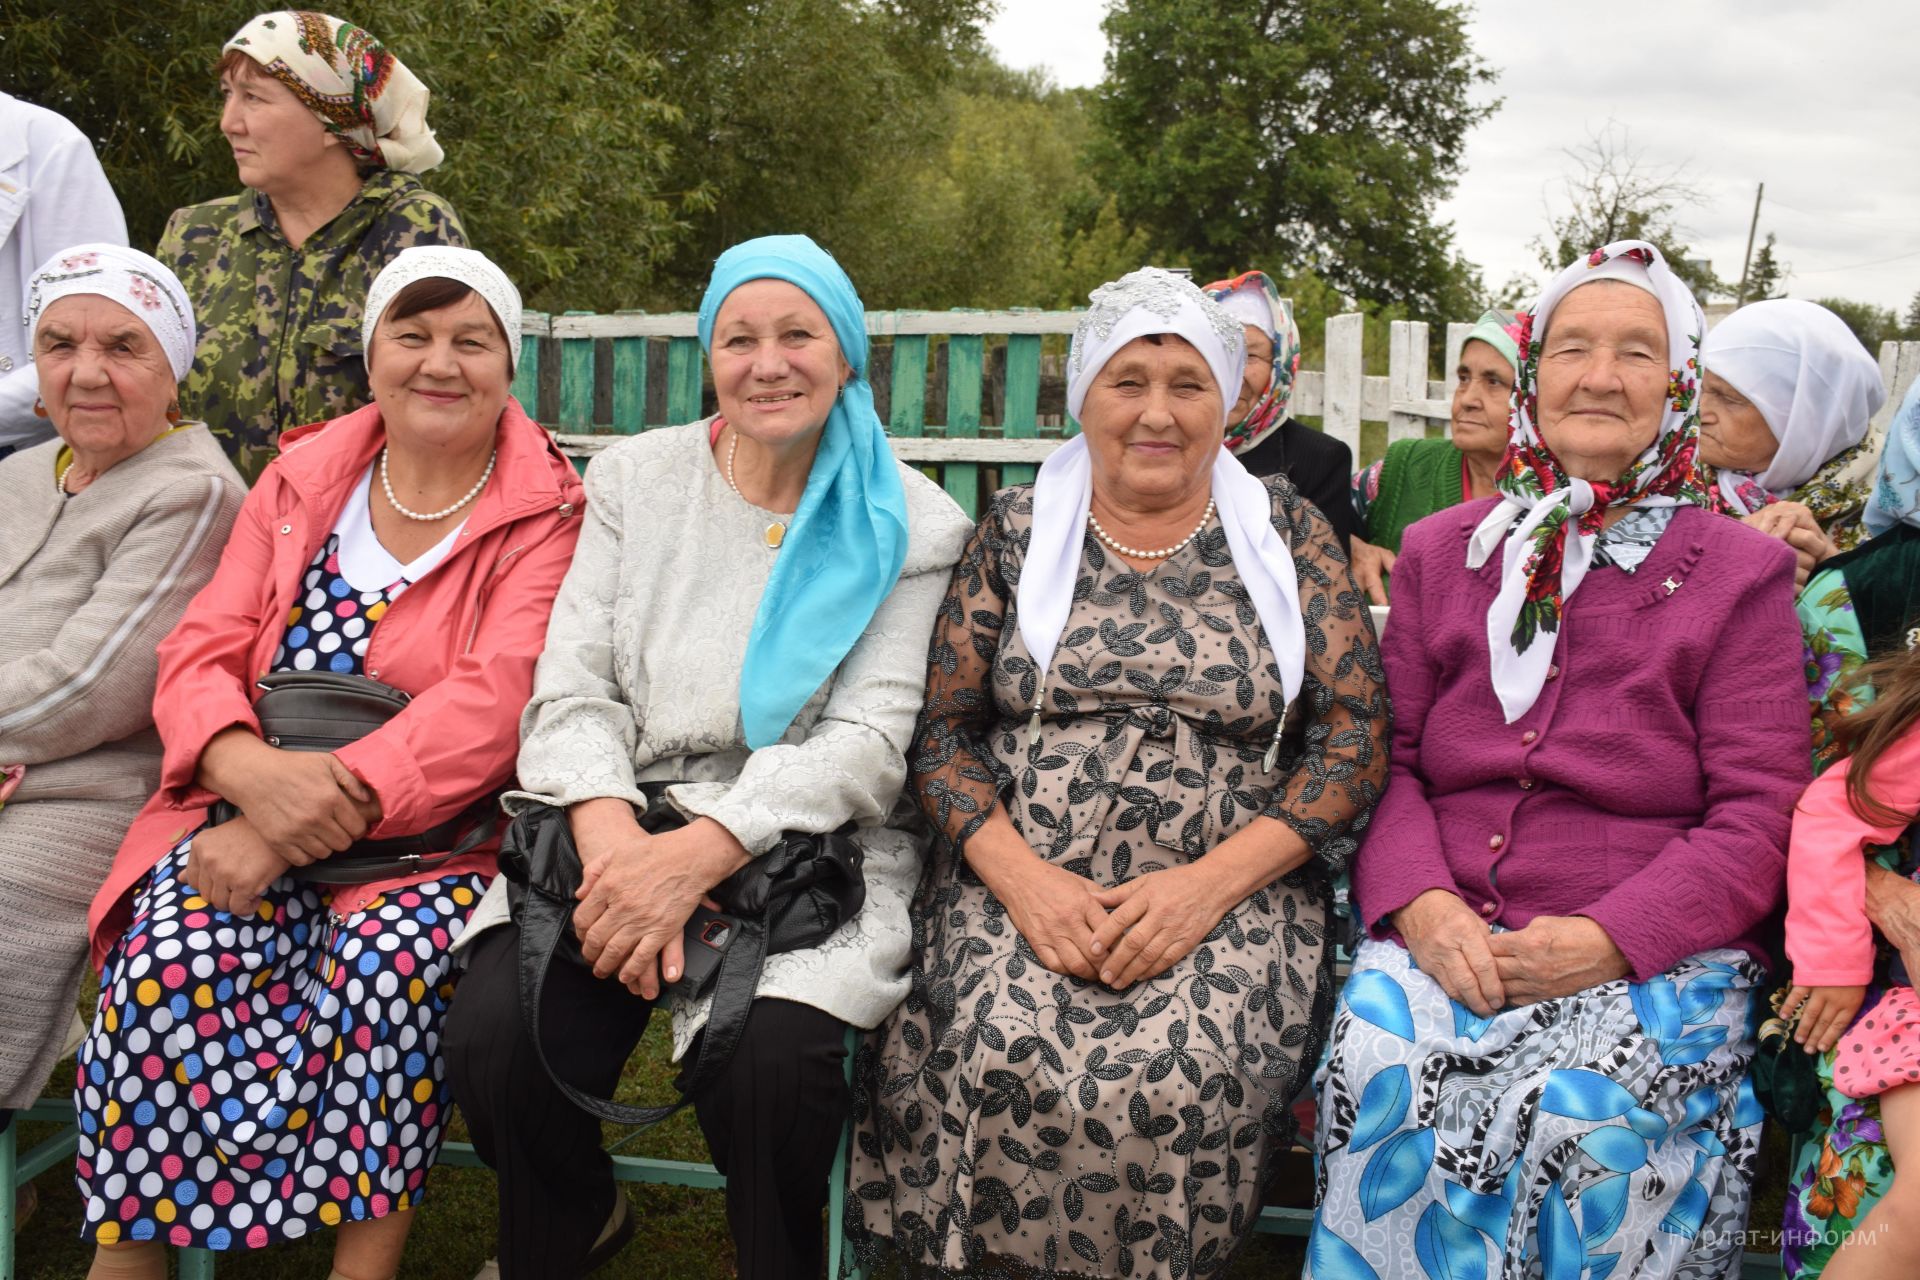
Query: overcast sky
[(1820, 102)]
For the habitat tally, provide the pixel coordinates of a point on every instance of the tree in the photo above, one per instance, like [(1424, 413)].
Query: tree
[(1912, 325), (1872, 325), (553, 127), (1318, 135), (1618, 195), (796, 114), (1766, 274)]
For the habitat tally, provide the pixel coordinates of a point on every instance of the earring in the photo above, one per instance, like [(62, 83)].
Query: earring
[(173, 414), (39, 408)]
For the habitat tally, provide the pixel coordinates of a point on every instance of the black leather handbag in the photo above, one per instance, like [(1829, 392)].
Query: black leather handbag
[(794, 896), (324, 711), (1786, 1080)]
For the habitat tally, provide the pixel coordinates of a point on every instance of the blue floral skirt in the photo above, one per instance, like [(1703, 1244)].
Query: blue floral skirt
[(1611, 1133), (250, 1078)]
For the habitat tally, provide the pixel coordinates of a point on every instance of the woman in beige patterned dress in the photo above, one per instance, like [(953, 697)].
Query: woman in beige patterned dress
[(1155, 727)]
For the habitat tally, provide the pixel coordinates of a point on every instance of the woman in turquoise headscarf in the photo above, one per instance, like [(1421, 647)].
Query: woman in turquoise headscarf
[(746, 619)]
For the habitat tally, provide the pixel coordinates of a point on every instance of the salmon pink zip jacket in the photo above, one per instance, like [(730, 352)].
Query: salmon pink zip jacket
[(462, 640)]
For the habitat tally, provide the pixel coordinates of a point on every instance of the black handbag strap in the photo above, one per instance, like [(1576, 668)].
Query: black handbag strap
[(481, 821), (543, 925)]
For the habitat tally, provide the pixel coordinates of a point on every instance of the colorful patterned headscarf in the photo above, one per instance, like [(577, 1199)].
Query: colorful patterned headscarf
[(1896, 495), (1547, 553), (1252, 299), (843, 552), (360, 92)]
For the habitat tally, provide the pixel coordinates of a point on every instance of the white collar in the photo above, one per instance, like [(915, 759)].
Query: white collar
[(364, 562)]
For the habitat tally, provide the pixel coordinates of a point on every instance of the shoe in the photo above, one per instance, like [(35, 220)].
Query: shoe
[(489, 1270), (613, 1237), (26, 1201)]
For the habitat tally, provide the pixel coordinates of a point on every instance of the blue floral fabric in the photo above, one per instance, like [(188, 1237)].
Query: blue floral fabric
[(1611, 1133)]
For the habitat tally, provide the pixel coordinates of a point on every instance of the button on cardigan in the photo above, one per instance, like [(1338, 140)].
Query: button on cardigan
[(1651, 786)]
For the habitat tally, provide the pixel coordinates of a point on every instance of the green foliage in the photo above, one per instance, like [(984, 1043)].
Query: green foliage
[(1316, 135), (1618, 195), (1913, 317), (796, 116), (1872, 325), (554, 130)]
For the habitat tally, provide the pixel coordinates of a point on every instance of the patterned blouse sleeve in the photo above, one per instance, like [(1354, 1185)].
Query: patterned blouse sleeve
[(1365, 492), (953, 774), (1334, 784)]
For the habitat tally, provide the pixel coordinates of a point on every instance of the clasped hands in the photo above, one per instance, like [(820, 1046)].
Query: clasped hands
[(1552, 956), (297, 807), (1794, 524), (1118, 936), (637, 891)]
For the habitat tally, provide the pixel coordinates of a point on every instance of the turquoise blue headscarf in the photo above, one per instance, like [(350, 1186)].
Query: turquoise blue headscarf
[(843, 551), (1896, 494)]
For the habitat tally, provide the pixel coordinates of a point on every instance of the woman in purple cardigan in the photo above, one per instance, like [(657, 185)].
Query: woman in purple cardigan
[(1539, 1062)]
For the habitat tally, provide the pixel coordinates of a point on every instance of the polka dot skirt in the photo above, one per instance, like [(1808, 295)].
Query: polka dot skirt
[(250, 1078), (1881, 1050)]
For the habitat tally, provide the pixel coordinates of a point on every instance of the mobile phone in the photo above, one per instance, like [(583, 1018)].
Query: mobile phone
[(707, 936)]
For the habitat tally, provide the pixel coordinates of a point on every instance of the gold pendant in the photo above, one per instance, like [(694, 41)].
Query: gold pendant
[(776, 533)]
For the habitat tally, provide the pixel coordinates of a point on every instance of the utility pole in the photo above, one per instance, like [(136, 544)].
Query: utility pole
[(1746, 263)]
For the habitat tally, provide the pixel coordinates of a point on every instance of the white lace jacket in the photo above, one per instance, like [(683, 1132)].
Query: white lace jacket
[(640, 682)]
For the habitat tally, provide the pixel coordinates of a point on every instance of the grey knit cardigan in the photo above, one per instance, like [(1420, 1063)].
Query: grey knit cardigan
[(89, 586)]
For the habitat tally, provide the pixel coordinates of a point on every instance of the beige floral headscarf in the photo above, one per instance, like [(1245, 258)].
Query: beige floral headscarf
[(359, 91)]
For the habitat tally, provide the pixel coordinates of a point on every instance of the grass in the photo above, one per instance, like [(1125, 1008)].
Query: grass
[(682, 1236)]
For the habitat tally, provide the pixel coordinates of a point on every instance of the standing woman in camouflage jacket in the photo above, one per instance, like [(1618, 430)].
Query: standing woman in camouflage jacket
[(328, 130)]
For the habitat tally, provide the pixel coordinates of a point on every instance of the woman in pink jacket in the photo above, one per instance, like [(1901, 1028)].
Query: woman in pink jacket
[(265, 1055)]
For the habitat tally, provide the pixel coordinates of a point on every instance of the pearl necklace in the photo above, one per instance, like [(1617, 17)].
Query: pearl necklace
[(443, 513), (62, 481), (777, 531), (1157, 553)]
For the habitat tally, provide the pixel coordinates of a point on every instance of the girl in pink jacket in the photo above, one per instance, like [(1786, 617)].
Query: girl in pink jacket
[(1868, 798)]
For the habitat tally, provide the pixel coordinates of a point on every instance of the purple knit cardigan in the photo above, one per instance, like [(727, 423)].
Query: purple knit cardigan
[(1650, 788)]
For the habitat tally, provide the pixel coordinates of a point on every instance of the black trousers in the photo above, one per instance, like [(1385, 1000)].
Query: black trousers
[(772, 1121)]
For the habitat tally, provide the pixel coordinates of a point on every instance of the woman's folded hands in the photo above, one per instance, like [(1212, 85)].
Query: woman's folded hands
[(638, 890), (305, 805)]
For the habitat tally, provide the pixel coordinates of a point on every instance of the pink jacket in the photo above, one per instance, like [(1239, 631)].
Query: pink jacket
[(1829, 938), (463, 640)]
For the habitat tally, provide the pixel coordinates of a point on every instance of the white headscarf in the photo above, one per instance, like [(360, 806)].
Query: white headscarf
[(138, 282), (1809, 377), (429, 261), (1146, 302)]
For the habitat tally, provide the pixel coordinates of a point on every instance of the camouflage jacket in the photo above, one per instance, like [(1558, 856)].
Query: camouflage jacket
[(280, 326)]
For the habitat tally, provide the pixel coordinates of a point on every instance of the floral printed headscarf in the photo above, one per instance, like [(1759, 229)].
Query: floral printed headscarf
[(1549, 521), (362, 93), (1896, 493), (1252, 299)]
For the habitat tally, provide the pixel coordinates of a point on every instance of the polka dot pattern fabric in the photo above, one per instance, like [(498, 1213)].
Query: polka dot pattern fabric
[(330, 627), (249, 1079), (1881, 1050)]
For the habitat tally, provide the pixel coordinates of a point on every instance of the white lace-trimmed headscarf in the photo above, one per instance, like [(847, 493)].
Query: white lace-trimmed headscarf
[(362, 93), (1811, 380), (1147, 302), (428, 261), (137, 281)]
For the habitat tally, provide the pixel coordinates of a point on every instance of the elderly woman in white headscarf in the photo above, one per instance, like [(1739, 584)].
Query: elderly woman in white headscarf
[(1154, 729), (1785, 410), (264, 1060), (329, 134), (105, 535)]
